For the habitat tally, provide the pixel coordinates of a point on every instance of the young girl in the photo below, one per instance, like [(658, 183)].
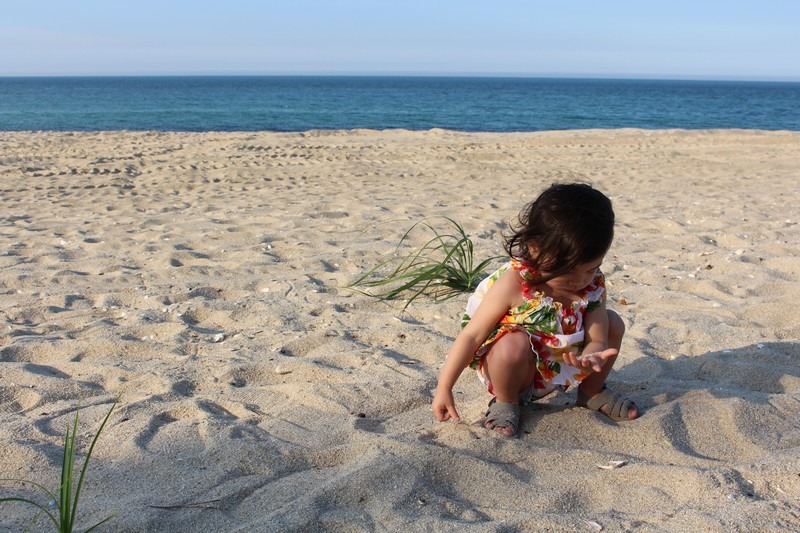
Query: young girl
[(527, 324)]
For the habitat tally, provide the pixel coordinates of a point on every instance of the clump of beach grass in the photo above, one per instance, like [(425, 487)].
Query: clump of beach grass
[(65, 499), (441, 268)]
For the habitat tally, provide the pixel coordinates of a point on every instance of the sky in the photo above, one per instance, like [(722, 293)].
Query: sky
[(688, 39)]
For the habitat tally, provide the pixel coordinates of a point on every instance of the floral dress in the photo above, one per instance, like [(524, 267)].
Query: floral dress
[(554, 329)]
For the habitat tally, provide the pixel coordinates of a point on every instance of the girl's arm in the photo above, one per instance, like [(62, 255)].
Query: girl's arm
[(595, 350), (504, 294)]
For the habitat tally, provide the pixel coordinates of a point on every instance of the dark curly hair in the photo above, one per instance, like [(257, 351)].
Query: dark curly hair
[(568, 224)]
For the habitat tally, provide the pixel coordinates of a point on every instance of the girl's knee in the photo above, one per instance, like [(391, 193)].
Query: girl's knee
[(511, 349), (616, 329)]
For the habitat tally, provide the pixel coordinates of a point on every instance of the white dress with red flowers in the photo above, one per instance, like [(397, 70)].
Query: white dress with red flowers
[(554, 329)]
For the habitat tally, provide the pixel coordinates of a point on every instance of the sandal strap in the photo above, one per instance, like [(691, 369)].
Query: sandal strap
[(620, 407), (502, 414), (617, 405)]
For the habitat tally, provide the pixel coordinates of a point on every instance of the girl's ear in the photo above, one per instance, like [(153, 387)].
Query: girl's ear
[(533, 251)]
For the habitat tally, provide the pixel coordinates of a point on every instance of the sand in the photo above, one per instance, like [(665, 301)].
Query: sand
[(200, 278)]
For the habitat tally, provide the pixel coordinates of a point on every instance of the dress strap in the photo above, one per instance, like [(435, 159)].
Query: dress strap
[(527, 276)]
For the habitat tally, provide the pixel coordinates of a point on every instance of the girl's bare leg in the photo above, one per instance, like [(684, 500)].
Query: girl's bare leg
[(510, 367), (593, 384)]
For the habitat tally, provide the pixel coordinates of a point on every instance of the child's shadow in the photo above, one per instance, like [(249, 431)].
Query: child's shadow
[(755, 371), (743, 399)]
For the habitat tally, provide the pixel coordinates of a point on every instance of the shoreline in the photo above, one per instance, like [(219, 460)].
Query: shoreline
[(342, 131), (199, 277)]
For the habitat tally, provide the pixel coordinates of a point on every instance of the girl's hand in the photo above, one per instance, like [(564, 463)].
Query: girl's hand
[(444, 406), (591, 361)]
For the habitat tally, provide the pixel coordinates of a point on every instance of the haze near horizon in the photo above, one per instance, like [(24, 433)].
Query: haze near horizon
[(744, 40)]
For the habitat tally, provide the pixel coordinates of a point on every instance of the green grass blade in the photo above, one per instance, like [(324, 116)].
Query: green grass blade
[(406, 278), (361, 279), (405, 264), (67, 467), (38, 486), (442, 267), (41, 508), (100, 523), (424, 276), (86, 462), (67, 503)]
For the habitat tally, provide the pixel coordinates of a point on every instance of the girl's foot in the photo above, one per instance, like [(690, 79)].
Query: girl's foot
[(502, 417), (612, 404)]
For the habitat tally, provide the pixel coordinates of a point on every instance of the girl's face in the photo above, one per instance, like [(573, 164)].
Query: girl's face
[(576, 279)]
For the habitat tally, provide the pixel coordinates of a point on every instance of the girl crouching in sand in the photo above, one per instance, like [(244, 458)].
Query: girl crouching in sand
[(540, 322)]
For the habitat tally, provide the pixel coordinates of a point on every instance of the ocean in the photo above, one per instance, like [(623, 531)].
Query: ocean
[(300, 103)]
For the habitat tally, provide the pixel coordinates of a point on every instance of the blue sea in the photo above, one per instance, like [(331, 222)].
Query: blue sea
[(300, 103)]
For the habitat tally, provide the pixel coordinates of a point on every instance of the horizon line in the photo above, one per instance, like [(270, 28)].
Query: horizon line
[(621, 77)]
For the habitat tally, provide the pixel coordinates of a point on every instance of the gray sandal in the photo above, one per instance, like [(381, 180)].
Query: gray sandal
[(503, 415), (617, 406)]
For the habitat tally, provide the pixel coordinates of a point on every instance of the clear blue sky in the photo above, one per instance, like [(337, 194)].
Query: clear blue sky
[(758, 39)]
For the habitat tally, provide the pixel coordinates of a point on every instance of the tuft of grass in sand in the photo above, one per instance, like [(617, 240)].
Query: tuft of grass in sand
[(65, 501), (443, 267)]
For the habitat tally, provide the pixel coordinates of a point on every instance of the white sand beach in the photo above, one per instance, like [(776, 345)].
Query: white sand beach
[(200, 278)]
